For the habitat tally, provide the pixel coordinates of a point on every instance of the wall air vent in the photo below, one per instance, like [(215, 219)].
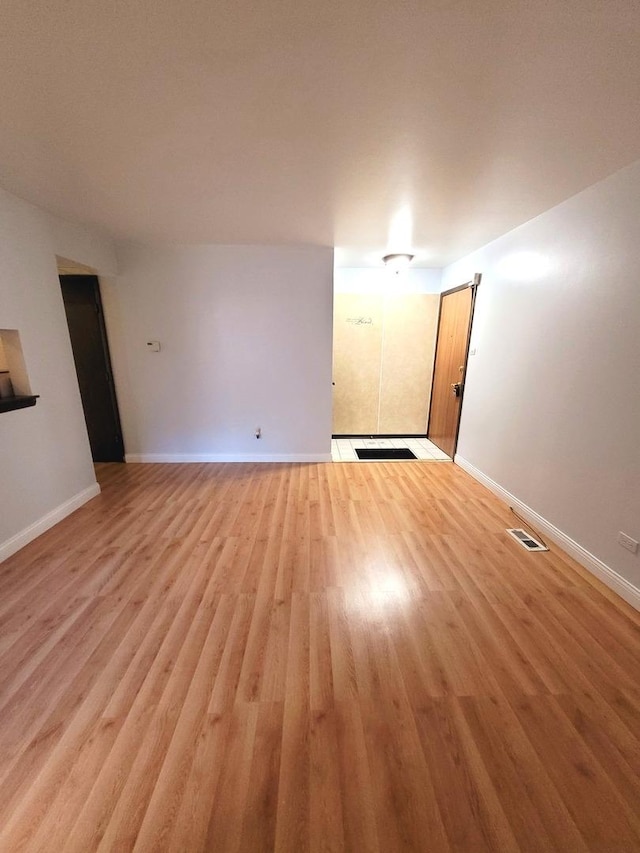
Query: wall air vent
[(526, 540)]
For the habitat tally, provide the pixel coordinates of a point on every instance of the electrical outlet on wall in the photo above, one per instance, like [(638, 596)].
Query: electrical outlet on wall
[(627, 542)]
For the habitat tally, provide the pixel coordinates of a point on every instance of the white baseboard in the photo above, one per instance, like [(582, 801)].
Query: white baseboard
[(227, 457), (38, 527), (606, 574)]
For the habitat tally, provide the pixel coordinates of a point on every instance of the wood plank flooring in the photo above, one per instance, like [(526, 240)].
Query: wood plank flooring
[(311, 658)]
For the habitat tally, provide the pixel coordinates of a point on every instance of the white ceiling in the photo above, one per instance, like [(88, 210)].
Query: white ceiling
[(291, 121)]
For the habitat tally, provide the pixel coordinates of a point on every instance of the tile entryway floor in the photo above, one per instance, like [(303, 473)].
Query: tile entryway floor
[(344, 449)]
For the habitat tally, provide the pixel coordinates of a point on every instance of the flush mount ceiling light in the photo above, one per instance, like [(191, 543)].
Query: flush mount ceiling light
[(397, 261)]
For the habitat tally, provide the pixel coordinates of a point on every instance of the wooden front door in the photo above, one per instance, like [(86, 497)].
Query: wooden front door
[(454, 325), (81, 294)]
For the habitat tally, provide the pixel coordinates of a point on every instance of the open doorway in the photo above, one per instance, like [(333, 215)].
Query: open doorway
[(383, 353), (83, 307)]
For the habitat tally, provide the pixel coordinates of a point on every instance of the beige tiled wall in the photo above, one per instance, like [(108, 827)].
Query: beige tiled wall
[(357, 347), (383, 362), (407, 362)]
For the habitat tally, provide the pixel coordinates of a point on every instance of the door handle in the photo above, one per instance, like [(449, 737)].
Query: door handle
[(456, 388)]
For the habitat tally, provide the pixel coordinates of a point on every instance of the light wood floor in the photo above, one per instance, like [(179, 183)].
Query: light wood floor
[(311, 657)]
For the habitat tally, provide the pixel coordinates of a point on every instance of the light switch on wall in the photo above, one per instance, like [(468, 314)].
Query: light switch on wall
[(153, 346)]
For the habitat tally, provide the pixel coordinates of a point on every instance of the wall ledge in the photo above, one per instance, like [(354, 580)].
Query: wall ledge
[(227, 457), (43, 524), (602, 571)]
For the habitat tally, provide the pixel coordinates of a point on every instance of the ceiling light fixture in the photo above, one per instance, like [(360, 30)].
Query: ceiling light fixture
[(398, 261)]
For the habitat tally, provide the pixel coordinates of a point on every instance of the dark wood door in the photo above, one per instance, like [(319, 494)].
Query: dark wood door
[(81, 294), (454, 325)]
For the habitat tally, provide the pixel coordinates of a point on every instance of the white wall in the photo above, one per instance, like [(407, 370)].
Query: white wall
[(45, 459), (245, 333), (74, 241), (552, 402)]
